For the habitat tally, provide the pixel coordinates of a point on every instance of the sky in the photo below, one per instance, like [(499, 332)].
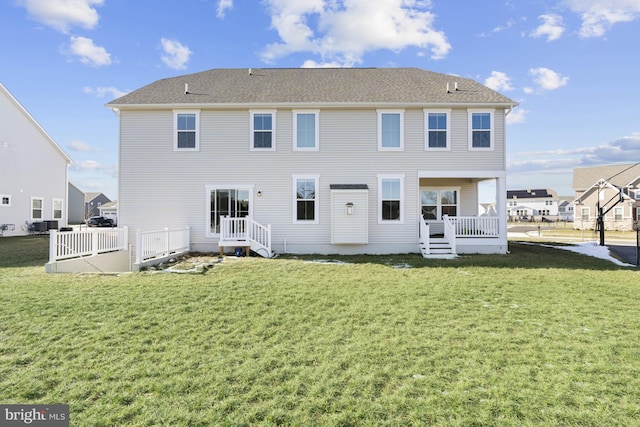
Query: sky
[(572, 65)]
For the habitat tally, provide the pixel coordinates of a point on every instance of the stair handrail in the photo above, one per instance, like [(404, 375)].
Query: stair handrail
[(424, 236), (450, 232)]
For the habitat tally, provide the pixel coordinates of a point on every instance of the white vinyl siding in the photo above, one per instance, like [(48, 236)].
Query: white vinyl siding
[(349, 154)]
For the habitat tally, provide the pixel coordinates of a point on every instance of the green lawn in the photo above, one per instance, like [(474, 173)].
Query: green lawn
[(537, 337)]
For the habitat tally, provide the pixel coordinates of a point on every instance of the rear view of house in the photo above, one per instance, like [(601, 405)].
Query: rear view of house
[(33, 173), (347, 161)]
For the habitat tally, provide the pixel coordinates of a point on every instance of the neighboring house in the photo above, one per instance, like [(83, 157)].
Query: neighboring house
[(110, 210), (565, 208), (76, 205), (323, 161), (33, 173), (613, 190), (92, 204), (532, 205)]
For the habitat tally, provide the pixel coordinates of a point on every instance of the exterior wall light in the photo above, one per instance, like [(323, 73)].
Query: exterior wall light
[(349, 208)]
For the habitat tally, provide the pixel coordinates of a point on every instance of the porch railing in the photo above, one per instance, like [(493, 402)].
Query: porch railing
[(450, 233), (424, 236), (474, 226), (88, 242), (161, 243), (246, 230)]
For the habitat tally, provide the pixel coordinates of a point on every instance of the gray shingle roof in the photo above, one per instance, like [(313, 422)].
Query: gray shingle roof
[(313, 85), (618, 175)]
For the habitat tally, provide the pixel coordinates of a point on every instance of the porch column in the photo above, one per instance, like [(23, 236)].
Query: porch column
[(501, 204)]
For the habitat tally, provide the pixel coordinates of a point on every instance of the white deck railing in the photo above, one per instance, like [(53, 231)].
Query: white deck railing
[(474, 226), (450, 233), (161, 243), (88, 242), (246, 230), (424, 236)]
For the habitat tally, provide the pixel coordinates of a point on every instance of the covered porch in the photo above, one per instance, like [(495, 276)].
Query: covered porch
[(462, 213)]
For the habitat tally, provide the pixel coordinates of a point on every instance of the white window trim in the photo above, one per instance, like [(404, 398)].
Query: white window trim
[(207, 206), (446, 111), (401, 113), (382, 177), (41, 209), (492, 131), (316, 113), (439, 190), (252, 113), (582, 214), (8, 196), (53, 208), (316, 205), (175, 129), (620, 210)]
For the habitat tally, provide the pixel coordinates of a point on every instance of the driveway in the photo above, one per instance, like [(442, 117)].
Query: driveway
[(626, 253)]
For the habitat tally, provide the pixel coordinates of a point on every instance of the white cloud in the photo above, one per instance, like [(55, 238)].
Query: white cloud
[(103, 91), (528, 90), (79, 146), (517, 115), (90, 165), (599, 16), (498, 81), (89, 53), (347, 29), (617, 151), (176, 55), (548, 79), (63, 14), (551, 28), (223, 5)]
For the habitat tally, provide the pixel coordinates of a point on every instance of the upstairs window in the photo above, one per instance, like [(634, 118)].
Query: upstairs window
[(391, 130), (263, 133), (481, 129), (305, 130), (437, 133), (5, 200), (186, 133)]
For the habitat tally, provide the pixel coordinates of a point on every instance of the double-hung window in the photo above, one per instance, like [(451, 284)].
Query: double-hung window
[(263, 130), (5, 200), (437, 135), (585, 214), (57, 208), (37, 204), (186, 134), (481, 133), (305, 193), (617, 213), (305, 130), (390, 197), (391, 130)]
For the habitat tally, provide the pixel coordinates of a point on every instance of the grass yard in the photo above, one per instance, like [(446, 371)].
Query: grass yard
[(537, 337)]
